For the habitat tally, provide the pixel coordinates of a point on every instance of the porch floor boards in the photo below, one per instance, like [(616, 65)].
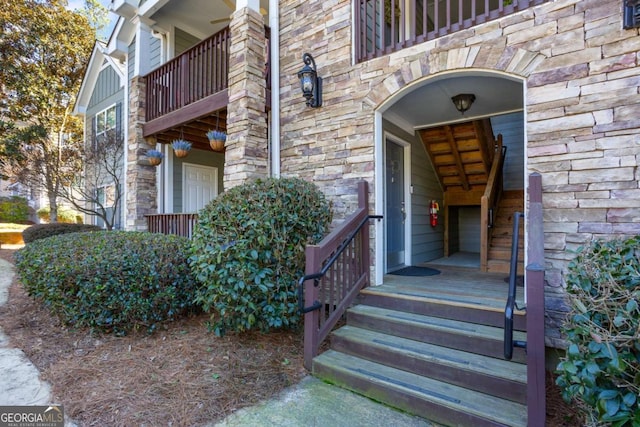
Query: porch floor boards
[(457, 286)]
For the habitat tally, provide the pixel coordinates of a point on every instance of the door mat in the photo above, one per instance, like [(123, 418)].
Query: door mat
[(519, 280), (416, 271)]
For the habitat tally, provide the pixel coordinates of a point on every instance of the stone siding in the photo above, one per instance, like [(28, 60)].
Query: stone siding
[(582, 109), (246, 146), (141, 177)]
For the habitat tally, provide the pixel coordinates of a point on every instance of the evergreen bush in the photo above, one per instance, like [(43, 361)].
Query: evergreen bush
[(42, 231), (248, 252), (111, 281), (601, 369)]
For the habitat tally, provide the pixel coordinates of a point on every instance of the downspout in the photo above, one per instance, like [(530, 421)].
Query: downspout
[(163, 172), (125, 140), (274, 24)]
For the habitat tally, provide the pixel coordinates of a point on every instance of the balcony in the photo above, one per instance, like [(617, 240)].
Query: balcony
[(385, 26), (191, 86)]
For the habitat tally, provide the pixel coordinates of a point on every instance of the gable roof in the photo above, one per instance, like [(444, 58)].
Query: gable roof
[(98, 60)]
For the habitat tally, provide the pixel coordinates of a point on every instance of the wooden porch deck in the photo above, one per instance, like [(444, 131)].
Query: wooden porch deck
[(459, 286)]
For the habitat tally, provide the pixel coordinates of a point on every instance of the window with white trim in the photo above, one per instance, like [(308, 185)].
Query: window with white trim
[(105, 120)]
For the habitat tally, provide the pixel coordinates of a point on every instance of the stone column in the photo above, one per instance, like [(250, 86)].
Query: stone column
[(141, 177), (246, 147)]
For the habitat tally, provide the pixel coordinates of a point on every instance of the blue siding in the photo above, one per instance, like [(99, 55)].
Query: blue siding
[(107, 85), (155, 53), (511, 126)]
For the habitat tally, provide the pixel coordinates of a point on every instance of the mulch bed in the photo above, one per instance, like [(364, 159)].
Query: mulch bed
[(181, 375)]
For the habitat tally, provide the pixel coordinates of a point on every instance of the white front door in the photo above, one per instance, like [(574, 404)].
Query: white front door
[(199, 187)]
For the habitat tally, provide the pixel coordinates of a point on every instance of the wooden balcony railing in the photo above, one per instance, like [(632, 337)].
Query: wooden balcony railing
[(197, 73), (177, 223), (384, 26)]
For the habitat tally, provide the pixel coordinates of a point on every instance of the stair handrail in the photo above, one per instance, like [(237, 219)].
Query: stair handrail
[(316, 305), (512, 305), (341, 264), (489, 201)]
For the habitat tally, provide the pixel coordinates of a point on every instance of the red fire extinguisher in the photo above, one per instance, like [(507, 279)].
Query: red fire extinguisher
[(433, 213)]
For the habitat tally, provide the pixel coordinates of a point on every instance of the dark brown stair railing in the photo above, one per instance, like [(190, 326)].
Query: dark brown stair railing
[(337, 269), (534, 288), (536, 404), (489, 202)]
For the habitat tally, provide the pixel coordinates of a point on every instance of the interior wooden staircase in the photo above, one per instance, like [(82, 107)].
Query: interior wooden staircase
[(501, 233), (436, 355), (468, 161)]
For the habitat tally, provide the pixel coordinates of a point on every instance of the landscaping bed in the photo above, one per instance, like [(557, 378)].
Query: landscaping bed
[(180, 375)]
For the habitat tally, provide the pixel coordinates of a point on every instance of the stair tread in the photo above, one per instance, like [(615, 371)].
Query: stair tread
[(448, 395), (439, 323), (463, 360), (467, 297)]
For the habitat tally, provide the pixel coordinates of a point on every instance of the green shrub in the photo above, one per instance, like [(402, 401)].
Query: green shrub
[(14, 209), (110, 280), (601, 369), (248, 252), (65, 215), (41, 231)]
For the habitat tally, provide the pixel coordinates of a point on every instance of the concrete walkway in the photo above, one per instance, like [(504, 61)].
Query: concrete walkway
[(309, 403), (314, 403), (19, 379)]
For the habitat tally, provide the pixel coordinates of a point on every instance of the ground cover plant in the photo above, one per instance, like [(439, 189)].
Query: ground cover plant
[(111, 281), (248, 252), (601, 370)]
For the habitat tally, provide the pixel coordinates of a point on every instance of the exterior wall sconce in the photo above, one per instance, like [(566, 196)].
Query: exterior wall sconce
[(631, 12), (463, 101), (310, 83)]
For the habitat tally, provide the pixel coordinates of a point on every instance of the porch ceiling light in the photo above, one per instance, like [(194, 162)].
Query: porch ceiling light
[(463, 101), (310, 83)]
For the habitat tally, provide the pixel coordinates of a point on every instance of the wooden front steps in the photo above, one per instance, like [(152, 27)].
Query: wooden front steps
[(501, 234), (433, 354)]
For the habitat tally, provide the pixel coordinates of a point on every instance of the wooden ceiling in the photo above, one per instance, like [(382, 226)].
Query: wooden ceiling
[(461, 153), (195, 130)]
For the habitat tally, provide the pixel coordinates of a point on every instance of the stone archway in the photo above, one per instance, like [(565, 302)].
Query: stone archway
[(514, 66)]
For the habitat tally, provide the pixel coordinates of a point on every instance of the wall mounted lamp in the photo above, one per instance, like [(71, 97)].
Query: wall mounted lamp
[(463, 101), (310, 83)]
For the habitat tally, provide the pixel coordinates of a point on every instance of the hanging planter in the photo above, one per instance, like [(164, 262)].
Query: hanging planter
[(181, 147), (154, 157), (216, 139)]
